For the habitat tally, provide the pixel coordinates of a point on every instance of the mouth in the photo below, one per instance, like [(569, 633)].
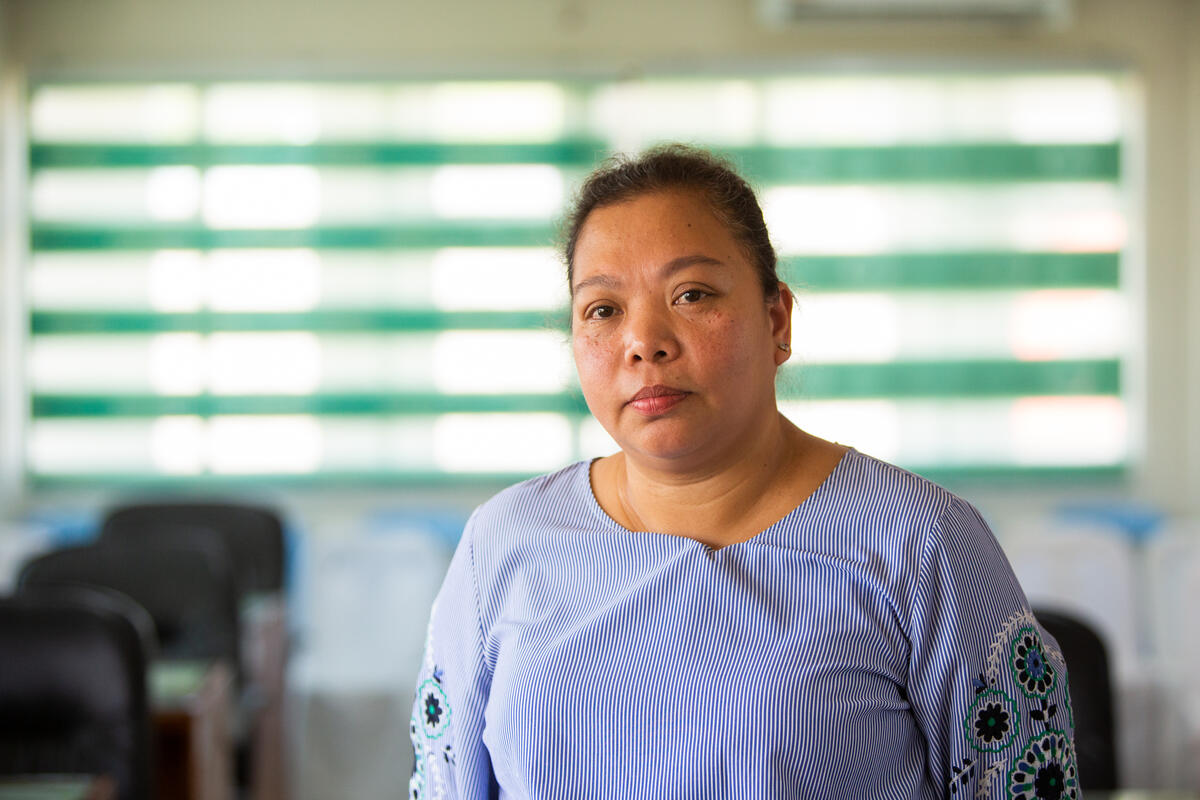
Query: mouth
[(655, 400)]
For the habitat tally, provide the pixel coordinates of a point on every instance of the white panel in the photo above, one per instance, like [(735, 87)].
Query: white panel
[(176, 280), (1027, 431), (498, 279), (281, 113), (501, 361), (1070, 430), (178, 363), (263, 280), (533, 191), (162, 114), (262, 197), (179, 444), (497, 112), (848, 327), (1063, 217), (264, 363), (88, 280), (246, 445), (71, 363), (68, 446), (502, 442), (361, 362), (83, 195), (639, 113)]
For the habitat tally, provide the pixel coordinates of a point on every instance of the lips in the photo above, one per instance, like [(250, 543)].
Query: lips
[(655, 400)]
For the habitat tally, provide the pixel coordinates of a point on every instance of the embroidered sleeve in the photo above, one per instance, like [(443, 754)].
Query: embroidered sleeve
[(987, 684), (450, 761)]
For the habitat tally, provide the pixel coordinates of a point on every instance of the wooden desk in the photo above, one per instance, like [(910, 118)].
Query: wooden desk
[(58, 787), (264, 649), (192, 703)]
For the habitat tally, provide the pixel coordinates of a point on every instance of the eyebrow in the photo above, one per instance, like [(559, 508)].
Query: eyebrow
[(667, 269)]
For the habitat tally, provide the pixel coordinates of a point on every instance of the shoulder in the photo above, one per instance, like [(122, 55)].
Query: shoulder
[(944, 521), (875, 496), (522, 520), (892, 489), (899, 525), (511, 538), (537, 501)]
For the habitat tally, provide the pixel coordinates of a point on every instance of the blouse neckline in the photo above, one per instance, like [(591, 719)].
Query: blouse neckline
[(585, 475)]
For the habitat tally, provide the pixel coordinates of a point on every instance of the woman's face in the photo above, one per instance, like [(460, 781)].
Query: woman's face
[(675, 343)]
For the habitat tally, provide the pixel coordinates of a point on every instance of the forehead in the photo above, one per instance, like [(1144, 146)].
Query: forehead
[(652, 229)]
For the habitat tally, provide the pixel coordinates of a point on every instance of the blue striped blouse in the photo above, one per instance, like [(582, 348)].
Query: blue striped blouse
[(872, 643)]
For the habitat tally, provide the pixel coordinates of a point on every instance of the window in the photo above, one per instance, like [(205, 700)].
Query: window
[(357, 281)]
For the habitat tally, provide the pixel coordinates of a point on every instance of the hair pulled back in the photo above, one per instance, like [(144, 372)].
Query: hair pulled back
[(677, 166)]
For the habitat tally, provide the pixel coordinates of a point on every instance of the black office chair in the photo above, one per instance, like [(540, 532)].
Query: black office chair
[(188, 590), (252, 535), (104, 599), (73, 690), (1091, 697), (252, 538)]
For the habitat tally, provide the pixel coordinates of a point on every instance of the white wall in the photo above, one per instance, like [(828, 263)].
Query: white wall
[(388, 38), (1192, 332), (12, 248)]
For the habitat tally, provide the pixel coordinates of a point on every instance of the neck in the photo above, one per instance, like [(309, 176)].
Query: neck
[(719, 501)]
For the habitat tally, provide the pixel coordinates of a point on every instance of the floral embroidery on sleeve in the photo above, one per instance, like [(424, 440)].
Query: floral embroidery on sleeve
[(433, 753), (992, 721), (430, 720), (1030, 668), (416, 783), (1034, 758), (1045, 770), (435, 708)]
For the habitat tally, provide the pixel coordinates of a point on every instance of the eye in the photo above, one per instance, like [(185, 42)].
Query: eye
[(692, 296), (600, 312)]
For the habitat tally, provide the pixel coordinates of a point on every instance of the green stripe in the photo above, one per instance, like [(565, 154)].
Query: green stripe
[(995, 270), (48, 406), (951, 379), (576, 153), (965, 475), (426, 235), (902, 163), (901, 380), (404, 321), (925, 163), (971, 475)]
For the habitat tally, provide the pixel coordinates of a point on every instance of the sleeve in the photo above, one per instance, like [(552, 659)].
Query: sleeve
[(987, 685), (450, 759)]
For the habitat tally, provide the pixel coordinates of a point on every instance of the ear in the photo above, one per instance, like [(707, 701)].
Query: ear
[(779, 310)]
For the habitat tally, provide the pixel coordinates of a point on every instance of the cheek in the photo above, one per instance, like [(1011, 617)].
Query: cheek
[(725, 342), (594, 356)]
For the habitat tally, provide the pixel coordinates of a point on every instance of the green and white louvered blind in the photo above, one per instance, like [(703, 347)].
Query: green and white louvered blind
[(358, 282)]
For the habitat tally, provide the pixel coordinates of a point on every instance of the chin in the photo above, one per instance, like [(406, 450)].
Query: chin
[(669, 448)]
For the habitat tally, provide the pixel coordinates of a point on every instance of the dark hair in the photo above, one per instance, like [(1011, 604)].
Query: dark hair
[(676, 166)]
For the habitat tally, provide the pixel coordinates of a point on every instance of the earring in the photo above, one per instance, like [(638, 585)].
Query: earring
[(787, 348)]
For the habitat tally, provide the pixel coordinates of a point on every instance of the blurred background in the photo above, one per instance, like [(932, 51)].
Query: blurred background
[(299, 257)]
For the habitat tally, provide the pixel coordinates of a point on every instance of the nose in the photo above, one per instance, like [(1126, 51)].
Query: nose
[(649, 336)]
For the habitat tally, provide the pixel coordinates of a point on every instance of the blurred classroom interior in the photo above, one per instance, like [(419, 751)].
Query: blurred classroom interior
[(279, 292)]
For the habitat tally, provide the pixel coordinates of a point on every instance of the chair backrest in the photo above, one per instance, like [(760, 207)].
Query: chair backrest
[(73, 697), (253, 535), (188, 590), (1091, 697), (105, 599)]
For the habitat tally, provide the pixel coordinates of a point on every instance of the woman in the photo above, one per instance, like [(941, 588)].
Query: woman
[(729, 606)]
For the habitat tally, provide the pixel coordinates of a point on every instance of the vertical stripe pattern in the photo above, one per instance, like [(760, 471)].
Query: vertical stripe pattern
[(872, 643)]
